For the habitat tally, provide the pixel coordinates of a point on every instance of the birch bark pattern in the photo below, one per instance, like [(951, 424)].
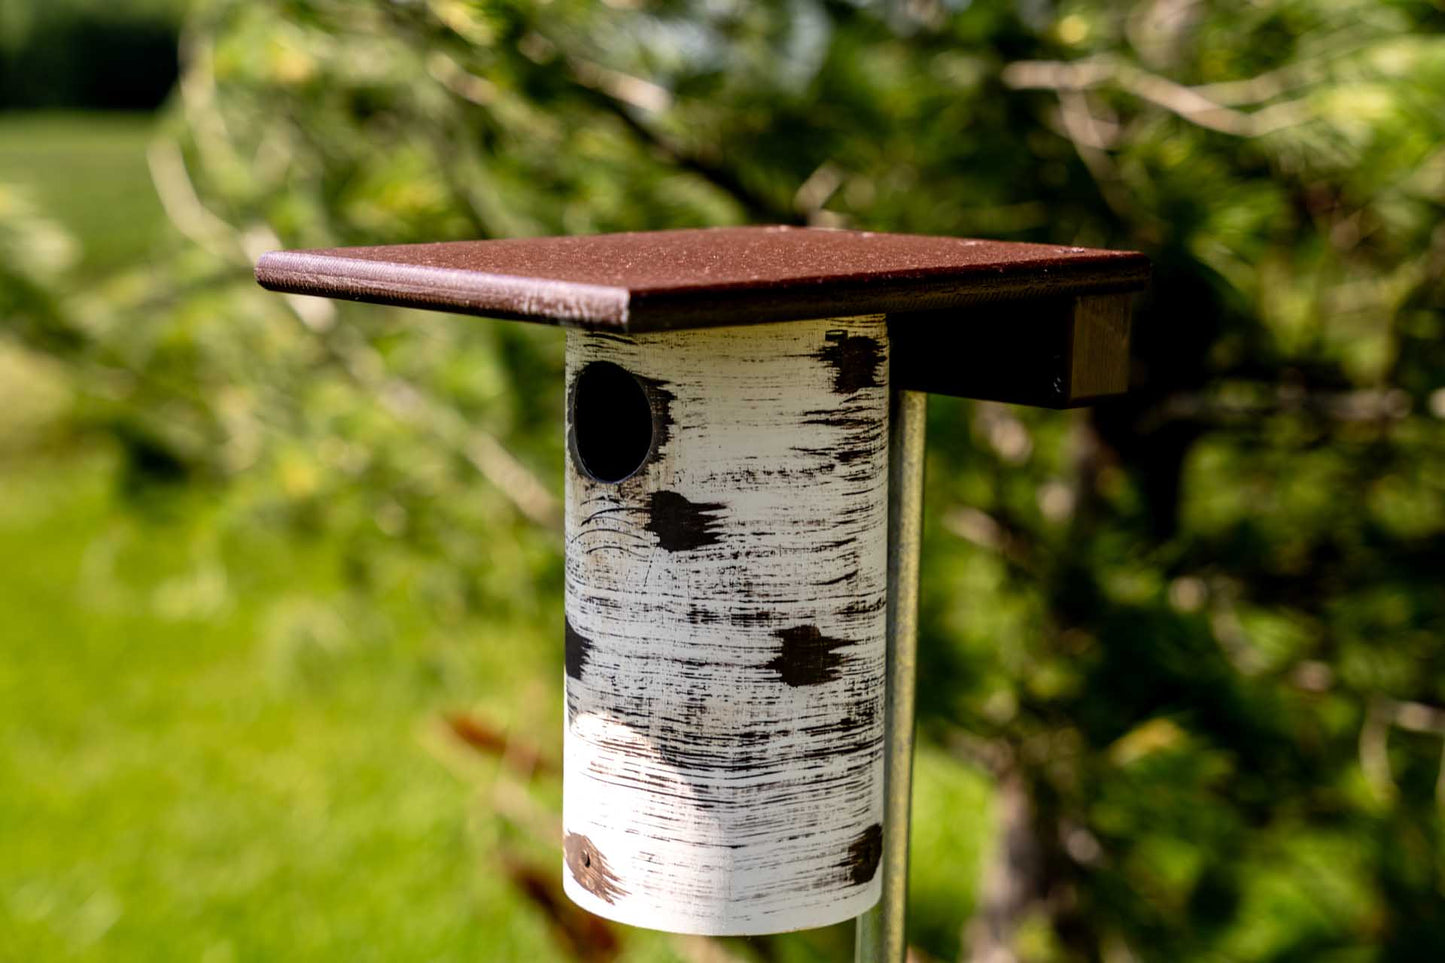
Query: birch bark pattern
[(725, 625)]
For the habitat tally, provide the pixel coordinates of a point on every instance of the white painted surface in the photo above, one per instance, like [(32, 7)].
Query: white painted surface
[(724, 746)]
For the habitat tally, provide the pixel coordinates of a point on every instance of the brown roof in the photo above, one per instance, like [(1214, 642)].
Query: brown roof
[(691, 278)]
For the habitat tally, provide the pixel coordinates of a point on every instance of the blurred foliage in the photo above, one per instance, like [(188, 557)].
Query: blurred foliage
[(88, 53), (1196, 636)]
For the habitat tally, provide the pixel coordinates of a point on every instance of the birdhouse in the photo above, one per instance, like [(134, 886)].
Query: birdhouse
[(744, 456)]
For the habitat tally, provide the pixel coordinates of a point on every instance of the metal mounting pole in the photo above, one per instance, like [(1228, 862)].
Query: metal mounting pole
[(881, 936)]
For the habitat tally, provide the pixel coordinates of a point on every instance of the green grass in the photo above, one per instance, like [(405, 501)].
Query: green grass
[(185, 778), (89, 172)]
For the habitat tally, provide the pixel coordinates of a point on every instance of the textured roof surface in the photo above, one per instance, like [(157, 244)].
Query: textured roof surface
[(691, 278)]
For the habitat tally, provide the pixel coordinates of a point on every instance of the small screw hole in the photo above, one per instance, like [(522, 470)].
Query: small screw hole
[(587, 860), (611, 422)]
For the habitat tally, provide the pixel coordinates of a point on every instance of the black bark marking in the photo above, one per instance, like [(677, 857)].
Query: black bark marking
[(660, 400), (681, 525), (844, 420), (614, 338), (691, 750), (845, 726), (859, 608), (590, 870), (700, 616), (696, 615), (864, 854), (855, 360), (808, 657), (752, 618), (579, 651)]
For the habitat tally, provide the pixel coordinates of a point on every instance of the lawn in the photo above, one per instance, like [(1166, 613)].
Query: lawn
[(89, 172), (191, 774)]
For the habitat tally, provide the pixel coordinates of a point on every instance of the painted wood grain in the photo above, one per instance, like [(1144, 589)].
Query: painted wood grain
[(725, 631)]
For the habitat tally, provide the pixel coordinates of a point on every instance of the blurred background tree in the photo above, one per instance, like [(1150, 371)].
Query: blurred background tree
[(283, 588)]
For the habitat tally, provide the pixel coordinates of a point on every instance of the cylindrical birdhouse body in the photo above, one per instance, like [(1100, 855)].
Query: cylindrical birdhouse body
[(726, 533)]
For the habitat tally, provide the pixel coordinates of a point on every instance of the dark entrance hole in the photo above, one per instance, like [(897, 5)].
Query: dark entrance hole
[(611, 422)]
